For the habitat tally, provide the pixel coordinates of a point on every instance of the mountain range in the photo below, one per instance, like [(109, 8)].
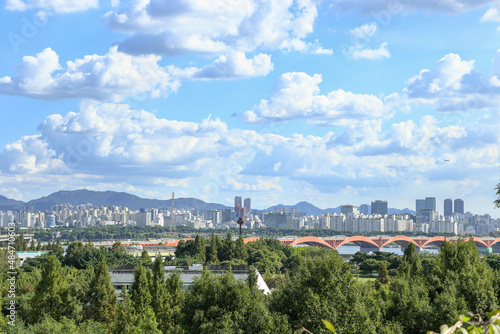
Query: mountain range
[(102, 198)]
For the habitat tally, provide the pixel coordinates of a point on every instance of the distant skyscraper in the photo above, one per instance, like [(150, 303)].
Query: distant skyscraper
[(419, 205), (430, 203), (379, 207), (459, 206), (345, 209), (143, 217), (448, 207), (237, 203), (364, 209), (248, 205)]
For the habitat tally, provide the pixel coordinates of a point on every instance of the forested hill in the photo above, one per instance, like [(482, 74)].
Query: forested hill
[(100, 198)]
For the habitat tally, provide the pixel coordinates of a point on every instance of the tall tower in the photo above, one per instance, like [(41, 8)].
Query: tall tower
[(248, 205), (430, 203), (379, 207), (419, 205), (448, 207), (237, 204), (459, 206)]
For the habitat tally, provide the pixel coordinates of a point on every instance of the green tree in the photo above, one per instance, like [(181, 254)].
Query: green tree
[(369, 265), (411, 265), (240, 250), (57, 250), (118, 248), (199, 249), (160, 297), (52, 297), (139, 292), (227, 250), (145, 256), (221, 304), (126, 318), (383, 275), (212, 251), (101, 296), (409, 304), (462, 275), (173, 284), (324, 288)]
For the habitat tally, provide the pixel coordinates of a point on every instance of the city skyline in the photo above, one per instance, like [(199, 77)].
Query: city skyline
[(325, 102), (243, 206)]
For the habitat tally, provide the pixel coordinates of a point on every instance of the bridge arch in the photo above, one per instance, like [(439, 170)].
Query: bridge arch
[(436, 241), (494, 242), (311, 241), (360, 241), (401, 240)]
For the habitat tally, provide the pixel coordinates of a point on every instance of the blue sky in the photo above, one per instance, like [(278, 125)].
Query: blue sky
[(331, 102)]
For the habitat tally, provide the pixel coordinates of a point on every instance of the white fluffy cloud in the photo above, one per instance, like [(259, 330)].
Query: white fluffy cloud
[(197, 26), (368, 53), (365, 31), (58, 6), (453, 85), (361, 39), (114, 144), (232, 66), (110, 77), (491, 15), (30, 155), (296, 96)]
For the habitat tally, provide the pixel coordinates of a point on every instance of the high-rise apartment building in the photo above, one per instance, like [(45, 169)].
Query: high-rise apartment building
[(448, 207), (430, 203), (419, 205), (247, 203), (365, 209), (459, 206), (143, 217), (237, 203), (379, 207), (345, 209)]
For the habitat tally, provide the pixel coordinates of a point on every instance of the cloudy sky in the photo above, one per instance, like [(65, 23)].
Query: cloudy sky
[(331, 102)]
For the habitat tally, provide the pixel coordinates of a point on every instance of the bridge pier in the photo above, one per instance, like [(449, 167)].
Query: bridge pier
[(369, 249), (485, 250)]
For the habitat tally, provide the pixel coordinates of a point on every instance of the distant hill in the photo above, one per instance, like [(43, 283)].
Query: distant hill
[(306, 207), (310, 209), (392, 211), (101, 198), (7, 203)]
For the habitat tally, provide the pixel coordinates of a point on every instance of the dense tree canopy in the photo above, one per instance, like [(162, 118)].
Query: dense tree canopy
[(412, 293)]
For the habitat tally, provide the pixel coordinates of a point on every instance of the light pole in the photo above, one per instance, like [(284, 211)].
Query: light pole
[(240, 222)]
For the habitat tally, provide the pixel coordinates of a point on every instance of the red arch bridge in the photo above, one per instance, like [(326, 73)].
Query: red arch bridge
[(368, 243), (377, 243)]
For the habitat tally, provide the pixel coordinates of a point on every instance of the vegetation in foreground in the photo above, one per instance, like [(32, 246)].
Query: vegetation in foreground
[(411, 293)]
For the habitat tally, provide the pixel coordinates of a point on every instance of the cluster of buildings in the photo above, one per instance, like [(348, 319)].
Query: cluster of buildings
[(375, 218), (350, 218)]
